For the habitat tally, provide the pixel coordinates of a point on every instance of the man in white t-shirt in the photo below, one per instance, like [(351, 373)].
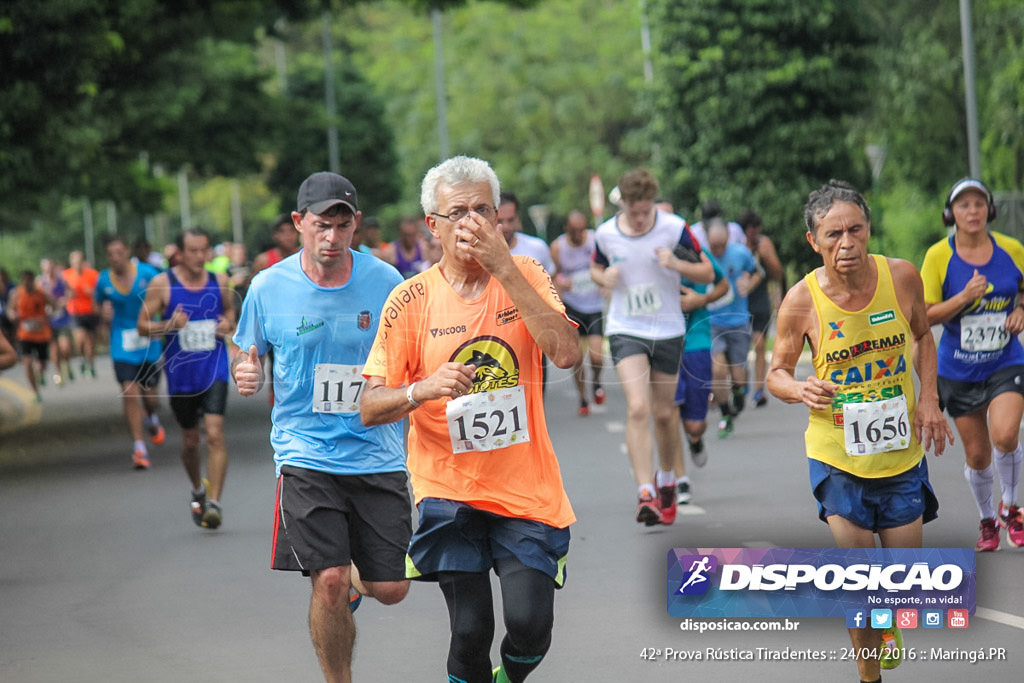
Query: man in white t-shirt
[(639, 255)]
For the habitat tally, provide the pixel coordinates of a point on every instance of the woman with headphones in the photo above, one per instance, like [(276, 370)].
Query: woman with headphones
[(973, 282)]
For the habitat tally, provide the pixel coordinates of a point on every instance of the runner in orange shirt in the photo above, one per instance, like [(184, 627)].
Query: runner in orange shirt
[(459, 350), (29, 304), (81, 279)]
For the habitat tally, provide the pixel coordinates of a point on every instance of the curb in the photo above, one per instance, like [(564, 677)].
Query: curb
[(18, 407)]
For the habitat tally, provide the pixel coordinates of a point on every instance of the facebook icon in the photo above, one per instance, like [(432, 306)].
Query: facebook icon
[(856, 618)]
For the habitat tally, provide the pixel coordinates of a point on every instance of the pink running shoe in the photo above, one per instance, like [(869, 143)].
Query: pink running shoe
[(1011, 518), (989, 539)]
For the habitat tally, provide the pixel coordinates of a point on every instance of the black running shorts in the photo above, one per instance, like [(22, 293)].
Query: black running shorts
[(145, 374), (963, 398), (589, 323), (327, 520), (663, 354), (188, 408)]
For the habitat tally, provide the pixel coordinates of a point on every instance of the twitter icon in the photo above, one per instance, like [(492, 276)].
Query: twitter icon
[(881, 618)]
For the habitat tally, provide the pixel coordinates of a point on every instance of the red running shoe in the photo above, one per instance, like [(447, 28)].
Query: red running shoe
[(648, 510), (669, 504)]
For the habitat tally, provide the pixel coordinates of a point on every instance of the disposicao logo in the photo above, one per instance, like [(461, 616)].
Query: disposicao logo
[(697, 580), (817, 582)]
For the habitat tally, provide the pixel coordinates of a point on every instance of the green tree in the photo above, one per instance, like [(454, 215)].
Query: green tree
[(917, 103), (918, 110), (90, 86), (549, 96), (754, 102), (366, 146)]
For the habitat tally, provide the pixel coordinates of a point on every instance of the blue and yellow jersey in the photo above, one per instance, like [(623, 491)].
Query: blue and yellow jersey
[(972, 345)]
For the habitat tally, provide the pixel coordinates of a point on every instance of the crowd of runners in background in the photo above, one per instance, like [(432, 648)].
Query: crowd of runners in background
[(677, 309)]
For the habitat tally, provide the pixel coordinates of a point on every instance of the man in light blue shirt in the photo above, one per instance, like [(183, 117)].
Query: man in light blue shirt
[(730, 322), (342, 494), (120, 290)]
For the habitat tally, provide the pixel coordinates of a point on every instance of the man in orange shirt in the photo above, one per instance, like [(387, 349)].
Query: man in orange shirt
[(81, 280), (459, 350), (286, 243), (29, 306)]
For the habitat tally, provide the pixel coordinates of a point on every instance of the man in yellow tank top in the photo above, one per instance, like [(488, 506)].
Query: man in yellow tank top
[(863, 316)]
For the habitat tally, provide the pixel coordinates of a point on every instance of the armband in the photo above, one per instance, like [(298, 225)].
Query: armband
[(408, 396)]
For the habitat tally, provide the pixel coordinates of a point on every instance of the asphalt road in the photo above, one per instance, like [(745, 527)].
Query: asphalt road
[(103, 577)]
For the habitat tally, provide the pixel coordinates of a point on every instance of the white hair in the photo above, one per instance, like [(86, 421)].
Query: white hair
[(455, 171)]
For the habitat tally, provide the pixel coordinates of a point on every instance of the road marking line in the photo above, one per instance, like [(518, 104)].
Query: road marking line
[(615, 427), (999, 617), (691, 509)]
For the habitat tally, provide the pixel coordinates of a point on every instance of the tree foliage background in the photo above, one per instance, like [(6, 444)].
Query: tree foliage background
[(752, 102)]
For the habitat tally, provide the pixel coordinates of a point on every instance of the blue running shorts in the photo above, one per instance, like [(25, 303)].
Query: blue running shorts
[(455, 537), (874, 504), (693, 391)]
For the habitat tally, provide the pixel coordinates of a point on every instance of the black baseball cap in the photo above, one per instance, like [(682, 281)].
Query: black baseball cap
[(320, 191)]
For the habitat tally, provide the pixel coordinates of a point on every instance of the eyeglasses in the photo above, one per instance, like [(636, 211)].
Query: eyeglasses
[(484, 211)]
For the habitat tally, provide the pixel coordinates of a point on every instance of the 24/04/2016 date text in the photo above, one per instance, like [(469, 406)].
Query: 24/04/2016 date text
[(939, 654)]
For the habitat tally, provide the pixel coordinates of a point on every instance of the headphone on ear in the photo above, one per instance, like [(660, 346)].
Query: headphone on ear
[(958, 188)]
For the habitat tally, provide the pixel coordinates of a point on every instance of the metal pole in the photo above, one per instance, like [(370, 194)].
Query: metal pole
[(90, 241), (111, 218), (645, 44), (967, 41), (184, 205), (333, 159), (236, 212), (439, 87), (281, 58)]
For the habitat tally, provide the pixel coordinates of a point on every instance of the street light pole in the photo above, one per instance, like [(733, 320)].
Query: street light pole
[(333, 157), (967, 47), (876, 156), (439, 86)]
